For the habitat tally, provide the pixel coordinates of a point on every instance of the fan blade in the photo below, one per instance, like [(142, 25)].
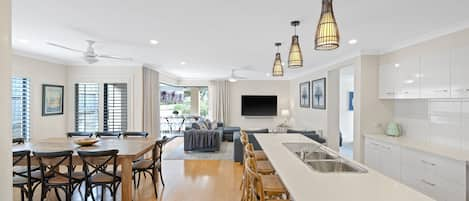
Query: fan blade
[(239, 77), (63, 47), (114, 57)]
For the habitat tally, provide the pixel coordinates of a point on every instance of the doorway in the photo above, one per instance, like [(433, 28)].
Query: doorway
[(347, 94)]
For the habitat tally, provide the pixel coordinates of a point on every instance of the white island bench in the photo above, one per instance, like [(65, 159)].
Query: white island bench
[(306, 184)]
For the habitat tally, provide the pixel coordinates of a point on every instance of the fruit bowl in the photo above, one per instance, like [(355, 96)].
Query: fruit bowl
[(86, 141)]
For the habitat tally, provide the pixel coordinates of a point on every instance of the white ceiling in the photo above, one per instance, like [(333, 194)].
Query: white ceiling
[(213, 36)]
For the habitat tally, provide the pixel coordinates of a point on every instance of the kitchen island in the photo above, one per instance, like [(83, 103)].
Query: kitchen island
[(306, 184)]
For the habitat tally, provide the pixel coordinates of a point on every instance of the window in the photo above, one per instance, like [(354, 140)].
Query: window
[(115, 107), (20, 97), (86, 107)]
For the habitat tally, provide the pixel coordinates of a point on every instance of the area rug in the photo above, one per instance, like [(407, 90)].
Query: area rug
[(174, 150)]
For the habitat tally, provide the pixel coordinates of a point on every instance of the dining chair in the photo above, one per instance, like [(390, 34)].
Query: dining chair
[(135, 134), (79, 134), (150, 166), (262, 188), (108, 134), (52, 177), (95, 165), (22, 177), (18, 140)]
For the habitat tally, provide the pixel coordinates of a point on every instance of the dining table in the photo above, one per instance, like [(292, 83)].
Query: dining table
[(130, 149)]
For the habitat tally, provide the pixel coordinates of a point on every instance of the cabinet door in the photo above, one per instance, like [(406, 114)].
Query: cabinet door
[(435, 73), (372, 155), (459, 73), (408, 79), (387, 81), (390, 160)]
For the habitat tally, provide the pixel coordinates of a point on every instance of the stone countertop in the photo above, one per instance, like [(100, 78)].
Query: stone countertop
[(306, 184), (451, 153)]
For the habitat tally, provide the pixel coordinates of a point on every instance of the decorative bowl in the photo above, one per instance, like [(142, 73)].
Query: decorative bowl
[(86, 141)]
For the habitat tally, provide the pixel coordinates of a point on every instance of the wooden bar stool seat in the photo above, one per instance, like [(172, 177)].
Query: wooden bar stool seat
[(264, 167), (260, 156), (273, 185)]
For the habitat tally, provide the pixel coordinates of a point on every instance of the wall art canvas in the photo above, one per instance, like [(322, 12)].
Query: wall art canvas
[(52, 100), (305, 94), (319, 93)]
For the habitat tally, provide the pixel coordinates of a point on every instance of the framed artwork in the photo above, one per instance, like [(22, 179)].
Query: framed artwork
[(350, 101), (305, 94), (52, 99), (319, 93)]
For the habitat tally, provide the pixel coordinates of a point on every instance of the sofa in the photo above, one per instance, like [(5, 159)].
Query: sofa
[(228, 133), (238, 153), (204, 140)]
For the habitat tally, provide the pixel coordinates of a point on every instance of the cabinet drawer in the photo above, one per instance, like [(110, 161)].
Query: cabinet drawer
[(434, 166)]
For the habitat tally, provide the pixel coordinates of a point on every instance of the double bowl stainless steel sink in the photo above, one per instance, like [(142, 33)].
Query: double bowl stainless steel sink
[(322, 160)]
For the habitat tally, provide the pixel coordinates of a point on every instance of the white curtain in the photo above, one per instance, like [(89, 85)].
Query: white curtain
[(219, 101), (151, 102)]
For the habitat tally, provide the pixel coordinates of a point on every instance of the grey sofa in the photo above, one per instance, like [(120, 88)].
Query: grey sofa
[(202, 140), (228, 133), (238, 155)]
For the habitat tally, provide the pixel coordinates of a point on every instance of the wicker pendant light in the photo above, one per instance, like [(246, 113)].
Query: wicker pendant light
[(327, 32), (277, 70), (295, 58)]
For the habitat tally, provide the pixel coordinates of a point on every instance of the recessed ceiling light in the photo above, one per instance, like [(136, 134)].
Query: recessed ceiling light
[(353, 41), (154, 42), (23, 41), (183, 63), (397, 65), (283, 63), (232, 79)]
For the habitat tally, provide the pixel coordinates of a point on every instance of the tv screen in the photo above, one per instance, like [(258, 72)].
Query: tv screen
[(259, 105)]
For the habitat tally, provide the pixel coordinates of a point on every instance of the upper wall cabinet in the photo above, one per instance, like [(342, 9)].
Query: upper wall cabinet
[(387, 81), (459, 73), (435, 74), (408, 78)]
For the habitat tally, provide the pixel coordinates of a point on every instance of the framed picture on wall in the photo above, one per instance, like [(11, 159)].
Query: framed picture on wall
[(319, 93), (52, 100), (305, 94)]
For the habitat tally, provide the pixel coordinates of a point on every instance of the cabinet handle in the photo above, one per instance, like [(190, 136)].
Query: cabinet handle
[(428, 183), (392, 93), (467, 90), (441, 90), (406, 92), (428, 163)]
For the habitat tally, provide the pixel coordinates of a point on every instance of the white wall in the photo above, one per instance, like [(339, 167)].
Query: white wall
[(39, 73), (346, 116), (5, 107), (132, 75), (307, 118), (279, 88)]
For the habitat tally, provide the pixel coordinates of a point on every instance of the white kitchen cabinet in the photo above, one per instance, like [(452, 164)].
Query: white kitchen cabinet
[(435, 74), (459, 73), (408, 78), (383, 157), (437, 177), (387, 81)]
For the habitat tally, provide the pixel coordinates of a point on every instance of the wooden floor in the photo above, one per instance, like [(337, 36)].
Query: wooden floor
[(190, 180)]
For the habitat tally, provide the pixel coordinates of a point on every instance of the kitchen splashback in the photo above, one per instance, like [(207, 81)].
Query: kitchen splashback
[(440, 122)]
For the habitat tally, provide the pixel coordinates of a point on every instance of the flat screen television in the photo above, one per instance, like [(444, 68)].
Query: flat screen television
[(259, 105)]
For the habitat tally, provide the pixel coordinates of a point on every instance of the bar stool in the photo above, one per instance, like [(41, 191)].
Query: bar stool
[(259, 155), (264, 166), (263, 187)]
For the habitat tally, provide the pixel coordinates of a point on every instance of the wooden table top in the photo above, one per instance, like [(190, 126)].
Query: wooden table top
[(131, 146)]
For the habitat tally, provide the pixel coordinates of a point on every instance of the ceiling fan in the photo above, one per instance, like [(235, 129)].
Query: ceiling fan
[(233, 77), (89, 55)]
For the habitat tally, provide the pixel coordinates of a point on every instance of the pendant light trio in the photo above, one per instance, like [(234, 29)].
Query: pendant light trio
[(327, 38)]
